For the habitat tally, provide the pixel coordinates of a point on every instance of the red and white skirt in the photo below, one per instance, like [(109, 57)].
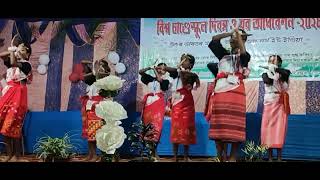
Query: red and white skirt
[(183, 127), (90, 121), (154, 114), (13, 108)]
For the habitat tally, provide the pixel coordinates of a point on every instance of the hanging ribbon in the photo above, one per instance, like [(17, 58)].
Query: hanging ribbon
[(2, 24), (24, 31), (133, 26)]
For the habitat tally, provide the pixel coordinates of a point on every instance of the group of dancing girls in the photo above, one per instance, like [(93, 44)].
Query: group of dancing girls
[(181, 104), (14, 104), (225, 108)]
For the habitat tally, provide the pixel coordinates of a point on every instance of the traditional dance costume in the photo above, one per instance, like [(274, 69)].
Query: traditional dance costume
[(154, 104), (90, 121), (183, 127), (226, 101), (14, 100), (276, 109)]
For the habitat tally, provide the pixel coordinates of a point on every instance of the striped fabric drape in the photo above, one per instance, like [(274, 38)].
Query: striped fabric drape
[(67, 42)]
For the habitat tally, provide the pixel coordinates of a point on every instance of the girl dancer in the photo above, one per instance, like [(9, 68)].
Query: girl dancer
[(154, 102), (183, 129), (90, 122), (13, 103), (276, 106)]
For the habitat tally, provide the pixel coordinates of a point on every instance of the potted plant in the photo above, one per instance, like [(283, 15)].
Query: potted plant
[(53, 149), (141, 141), (253, 152)]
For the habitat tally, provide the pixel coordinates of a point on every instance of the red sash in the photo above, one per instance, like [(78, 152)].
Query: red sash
[(284, 99), (208, 107)]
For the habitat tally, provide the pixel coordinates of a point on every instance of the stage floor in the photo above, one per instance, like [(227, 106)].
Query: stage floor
[(32, 158)]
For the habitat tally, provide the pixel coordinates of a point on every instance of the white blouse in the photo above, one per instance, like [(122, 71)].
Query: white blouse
[(272, 92), (228, 64), (176, 83), (154, 86), (15, 74), (91, 90)]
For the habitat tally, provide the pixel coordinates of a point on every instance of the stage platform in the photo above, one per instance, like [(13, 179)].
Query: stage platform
[(302, 142), (32, 158)]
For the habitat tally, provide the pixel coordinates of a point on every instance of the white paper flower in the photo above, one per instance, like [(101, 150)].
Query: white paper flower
[(42, 69), (109, 83), (44, 59), (113, 123), (109, 138), (120, 68), (113, 57), (110, 111)]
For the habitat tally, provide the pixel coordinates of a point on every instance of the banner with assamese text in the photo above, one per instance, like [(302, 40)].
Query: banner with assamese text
[(296, 40)]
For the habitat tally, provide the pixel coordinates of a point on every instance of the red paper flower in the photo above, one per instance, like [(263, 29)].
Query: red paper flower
[(74, 77), (77, 73)]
